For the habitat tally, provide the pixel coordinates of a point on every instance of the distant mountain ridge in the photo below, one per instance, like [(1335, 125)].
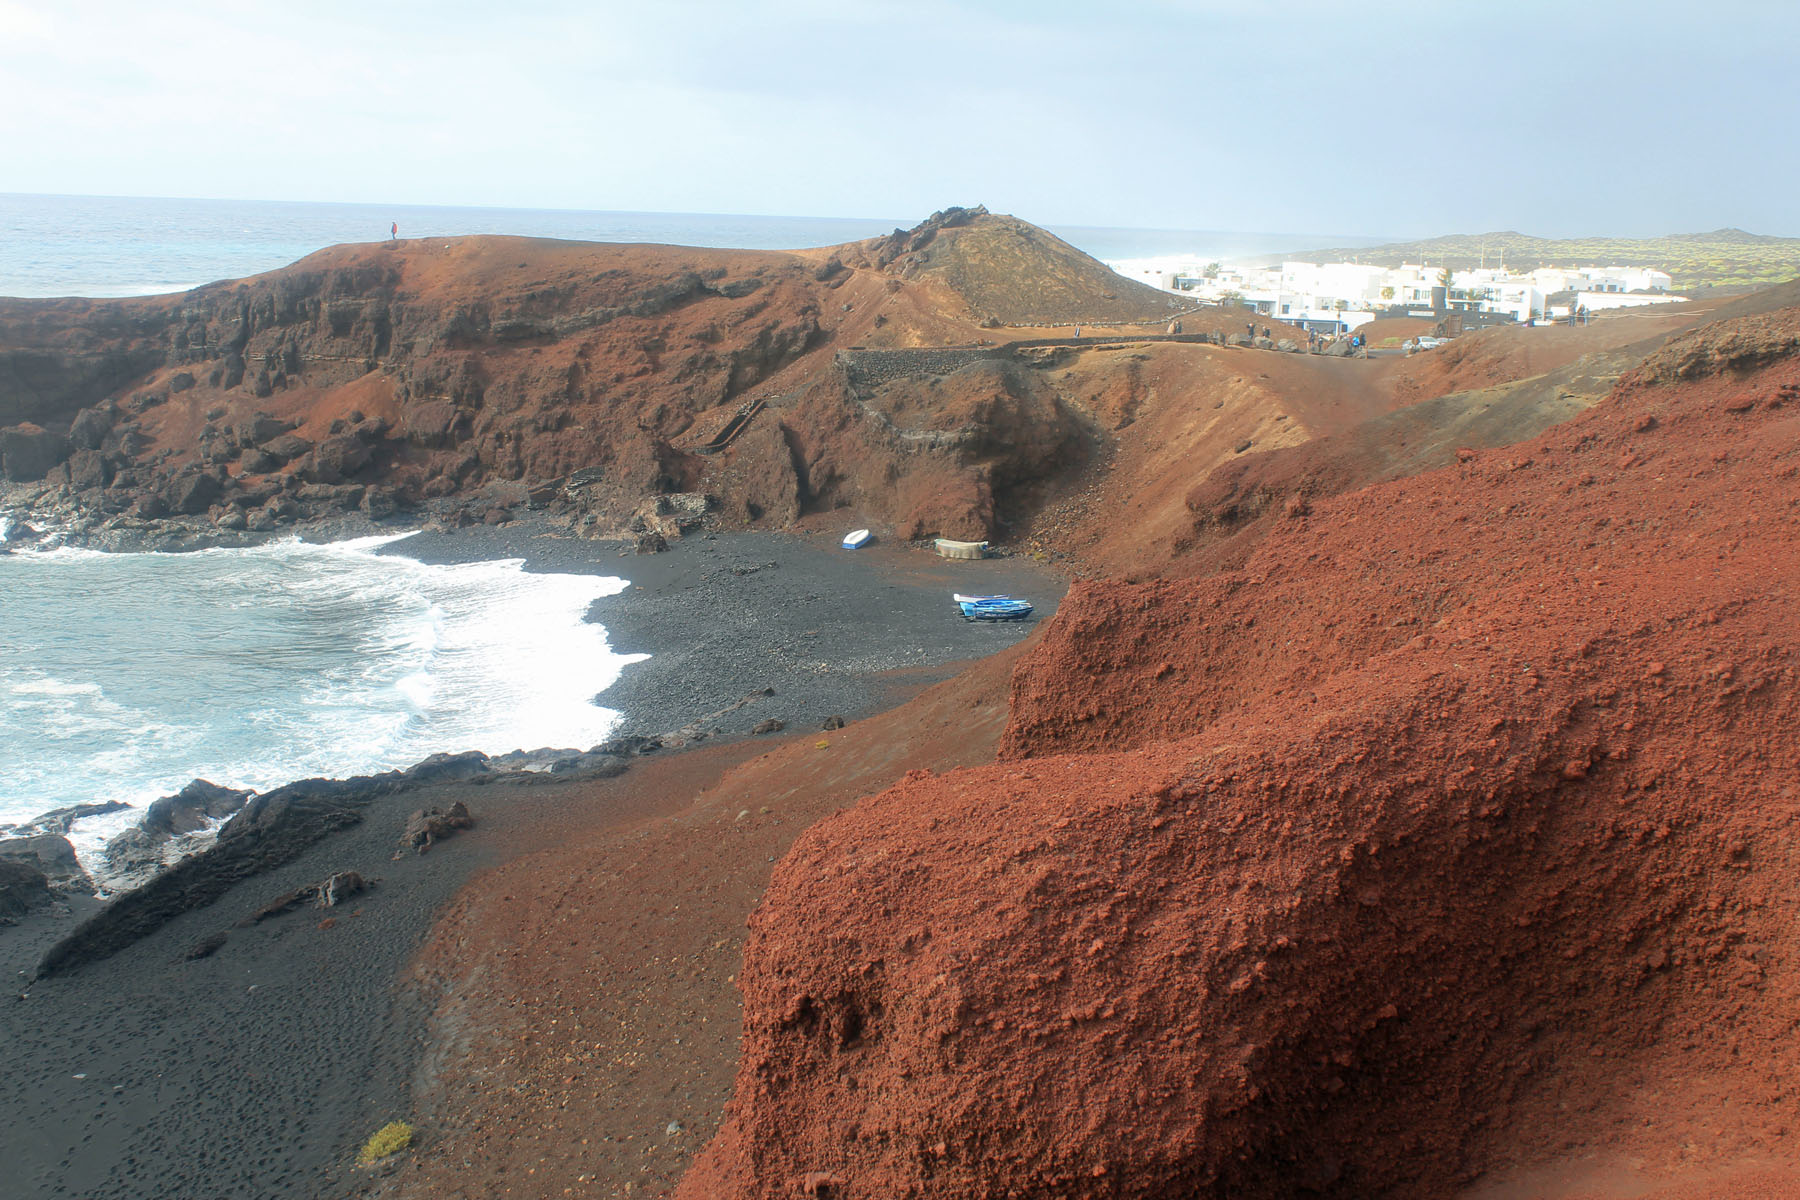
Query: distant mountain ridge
[(1721, 258)]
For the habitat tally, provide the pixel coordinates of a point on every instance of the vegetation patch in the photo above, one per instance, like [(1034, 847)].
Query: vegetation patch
[(389, 1140)]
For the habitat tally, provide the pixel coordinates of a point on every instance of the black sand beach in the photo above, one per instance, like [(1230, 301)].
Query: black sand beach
[(258, 1070)]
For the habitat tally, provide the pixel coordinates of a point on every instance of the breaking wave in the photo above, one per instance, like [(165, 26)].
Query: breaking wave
[(124, 676)]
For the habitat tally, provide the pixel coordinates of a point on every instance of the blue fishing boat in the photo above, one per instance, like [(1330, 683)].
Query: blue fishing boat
[(857, 539), (992, 608)]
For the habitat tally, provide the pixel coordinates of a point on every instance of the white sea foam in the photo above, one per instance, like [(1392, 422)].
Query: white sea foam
[(125, 676)]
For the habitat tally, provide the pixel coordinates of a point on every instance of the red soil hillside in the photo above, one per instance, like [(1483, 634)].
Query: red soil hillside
[(1009, 272), (1449, 843)]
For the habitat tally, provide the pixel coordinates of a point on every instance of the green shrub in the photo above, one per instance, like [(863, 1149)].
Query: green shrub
[(391, 1138)]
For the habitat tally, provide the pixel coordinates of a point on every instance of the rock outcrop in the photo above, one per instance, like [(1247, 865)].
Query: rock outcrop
[(163, 833), (53, 856)]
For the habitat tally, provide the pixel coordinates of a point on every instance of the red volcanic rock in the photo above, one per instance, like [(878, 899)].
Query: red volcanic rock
[(1413, 846)]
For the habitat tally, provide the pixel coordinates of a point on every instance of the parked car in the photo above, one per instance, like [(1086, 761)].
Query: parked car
[(1422, 342)]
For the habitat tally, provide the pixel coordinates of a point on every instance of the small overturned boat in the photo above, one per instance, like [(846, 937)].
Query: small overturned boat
[(949, 549), (856, 539), (991, 608)]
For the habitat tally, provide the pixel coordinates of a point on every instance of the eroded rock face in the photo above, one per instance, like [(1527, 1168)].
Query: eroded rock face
[(1317, 876)]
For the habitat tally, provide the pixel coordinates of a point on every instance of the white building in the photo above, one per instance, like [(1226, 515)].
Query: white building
[(1344, 295), (1596, 301)]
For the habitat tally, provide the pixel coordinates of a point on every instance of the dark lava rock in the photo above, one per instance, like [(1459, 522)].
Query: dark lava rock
[(287, 446), (22, 888), (832, 722), (192, 494), (258, 462), (650, 542), (89, 428), (60, 820), (181, 381), (428, 826), (260, 428), (139, 852), (526, 766), (372, 429), (628, 747), (28, 452), (327, 893), (89, 469), (769, 726), (51, 854), (434, 424), (440, 768), (340, 457), (378, 503), (270, 830), (193, 806)]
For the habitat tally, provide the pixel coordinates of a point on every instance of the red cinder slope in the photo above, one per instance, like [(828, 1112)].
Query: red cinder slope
[(1460, 828)]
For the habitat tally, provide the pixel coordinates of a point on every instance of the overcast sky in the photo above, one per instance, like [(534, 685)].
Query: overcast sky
[(1370, 117)]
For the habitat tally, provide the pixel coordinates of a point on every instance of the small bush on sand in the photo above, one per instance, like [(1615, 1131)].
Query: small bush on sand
[(391, 1138)]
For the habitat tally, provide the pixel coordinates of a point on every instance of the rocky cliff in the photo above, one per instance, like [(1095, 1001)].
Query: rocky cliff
[(470, 377)]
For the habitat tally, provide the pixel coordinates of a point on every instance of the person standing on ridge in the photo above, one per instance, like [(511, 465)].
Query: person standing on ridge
[(394, 231)]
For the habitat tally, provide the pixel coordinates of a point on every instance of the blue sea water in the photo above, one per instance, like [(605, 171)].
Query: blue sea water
[(124, 676), (134, 246)]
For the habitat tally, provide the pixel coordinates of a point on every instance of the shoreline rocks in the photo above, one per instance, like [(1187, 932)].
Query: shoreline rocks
[(172, 867)]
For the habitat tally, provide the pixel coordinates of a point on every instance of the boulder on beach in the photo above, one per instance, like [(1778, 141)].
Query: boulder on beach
[(428, 826), (327, 893), (53, 855), (22, 888)]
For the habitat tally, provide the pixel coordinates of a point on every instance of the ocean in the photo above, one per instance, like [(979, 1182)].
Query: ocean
[(124, 676), (137, 246)]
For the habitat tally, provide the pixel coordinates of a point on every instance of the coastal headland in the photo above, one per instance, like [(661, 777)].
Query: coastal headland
[(1399, 803)]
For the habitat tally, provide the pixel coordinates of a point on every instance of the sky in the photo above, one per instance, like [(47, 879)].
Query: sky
[(1398, 118)]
